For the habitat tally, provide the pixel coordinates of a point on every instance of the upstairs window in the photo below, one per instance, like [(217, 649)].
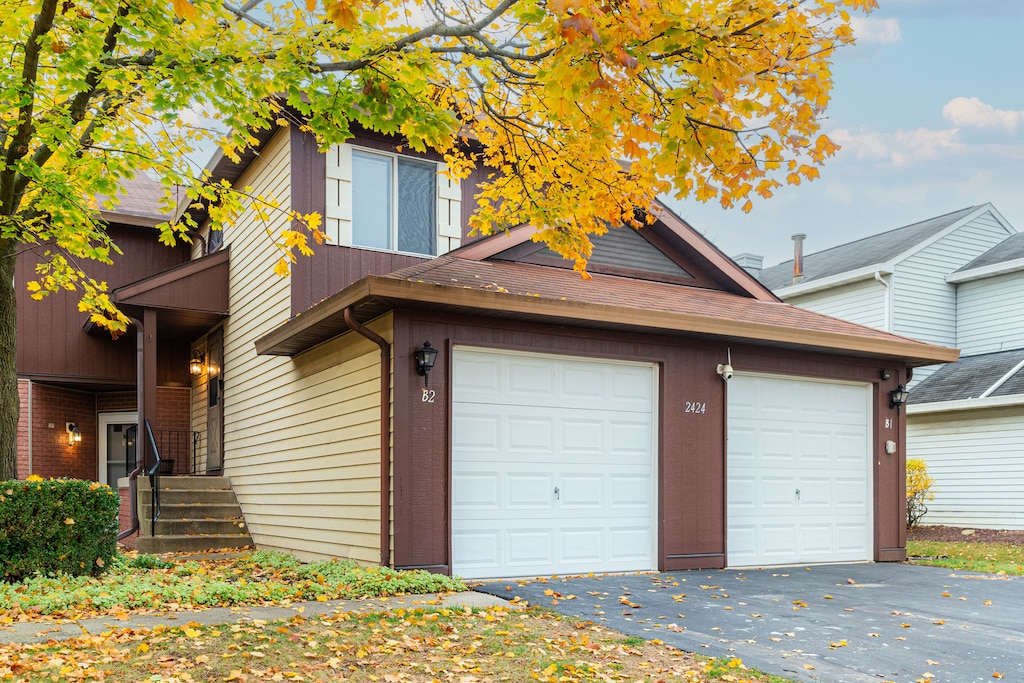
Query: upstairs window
[(394, 203), (389, 202)]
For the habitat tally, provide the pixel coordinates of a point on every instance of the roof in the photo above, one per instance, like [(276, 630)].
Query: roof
[(973, 377), (860, 254), (1010, 249), (138, 203), (554, 295)]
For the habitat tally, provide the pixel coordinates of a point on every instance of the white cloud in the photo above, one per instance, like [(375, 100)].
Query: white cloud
[(900, 148), (869, 30), (971, 112)]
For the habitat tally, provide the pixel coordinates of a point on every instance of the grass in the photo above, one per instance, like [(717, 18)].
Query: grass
[(497, 644), (995, 558)]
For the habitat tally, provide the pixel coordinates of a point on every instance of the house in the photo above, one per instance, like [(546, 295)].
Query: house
[(419, 397), (955, 280)]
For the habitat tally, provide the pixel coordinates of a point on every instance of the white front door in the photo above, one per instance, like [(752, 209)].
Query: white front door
[(553, 464), (118, 438), (799, 459)]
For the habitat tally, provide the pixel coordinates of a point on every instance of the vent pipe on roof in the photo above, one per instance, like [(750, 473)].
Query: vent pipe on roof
[(798, 257)]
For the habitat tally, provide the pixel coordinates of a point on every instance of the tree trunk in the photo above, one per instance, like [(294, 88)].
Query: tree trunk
[(10, 408)]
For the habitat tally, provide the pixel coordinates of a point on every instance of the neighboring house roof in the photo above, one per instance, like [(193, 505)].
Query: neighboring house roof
[(974, 377), (1010, 249), (863, 253)]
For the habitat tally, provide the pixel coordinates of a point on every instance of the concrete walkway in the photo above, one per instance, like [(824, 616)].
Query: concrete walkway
[(43, 631)]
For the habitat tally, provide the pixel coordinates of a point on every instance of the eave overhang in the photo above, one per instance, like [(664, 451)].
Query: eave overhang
[(374, 295)]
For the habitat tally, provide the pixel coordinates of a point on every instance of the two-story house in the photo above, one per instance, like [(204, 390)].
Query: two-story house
[(954, 280), (416, 396)]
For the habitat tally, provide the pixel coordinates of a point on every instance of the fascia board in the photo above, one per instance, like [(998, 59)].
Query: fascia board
[(837, 280), (964, 404), (986, 271)]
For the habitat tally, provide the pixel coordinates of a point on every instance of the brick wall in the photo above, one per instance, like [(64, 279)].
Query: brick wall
[(22, 463), (115, 402), (52, 456)]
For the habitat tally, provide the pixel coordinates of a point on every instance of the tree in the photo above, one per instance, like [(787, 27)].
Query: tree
[(585, 110)]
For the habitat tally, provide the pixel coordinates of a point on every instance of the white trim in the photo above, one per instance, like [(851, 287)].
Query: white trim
[(104, 419), (983, 272), (30, 424), (844, 278), (964, 404)]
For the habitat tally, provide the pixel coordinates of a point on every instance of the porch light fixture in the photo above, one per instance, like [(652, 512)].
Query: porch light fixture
[(425, 358), (74, 433), (898, 397), (195, 366)]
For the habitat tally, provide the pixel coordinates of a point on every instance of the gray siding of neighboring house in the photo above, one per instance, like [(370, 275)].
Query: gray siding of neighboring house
[(990, 316), (974, 457), (865, 302), (924, 304)]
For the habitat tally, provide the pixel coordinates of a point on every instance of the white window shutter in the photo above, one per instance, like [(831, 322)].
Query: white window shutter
[(449, 211), (338, 218)]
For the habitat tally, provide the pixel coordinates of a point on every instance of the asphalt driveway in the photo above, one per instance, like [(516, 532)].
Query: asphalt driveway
[(854, 622)]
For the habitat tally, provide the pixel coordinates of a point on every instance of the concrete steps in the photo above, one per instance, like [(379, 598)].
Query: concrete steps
[(197, 513)]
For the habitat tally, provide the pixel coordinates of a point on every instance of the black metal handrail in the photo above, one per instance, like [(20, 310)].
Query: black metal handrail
[(154, 479)]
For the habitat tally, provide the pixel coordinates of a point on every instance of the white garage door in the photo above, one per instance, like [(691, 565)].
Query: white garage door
[(552, 465), (799, 458)]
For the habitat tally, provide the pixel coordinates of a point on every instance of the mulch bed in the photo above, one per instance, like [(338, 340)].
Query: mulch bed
[(955, 534)]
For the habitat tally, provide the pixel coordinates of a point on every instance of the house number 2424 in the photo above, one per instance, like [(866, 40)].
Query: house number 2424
[(428, 395), (697, 407)]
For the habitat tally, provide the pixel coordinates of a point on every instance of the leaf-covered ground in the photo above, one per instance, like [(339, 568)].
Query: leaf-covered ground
[(144, 583), (460, 645)]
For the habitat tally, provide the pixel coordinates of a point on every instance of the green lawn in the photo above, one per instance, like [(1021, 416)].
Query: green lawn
[(996, 558)]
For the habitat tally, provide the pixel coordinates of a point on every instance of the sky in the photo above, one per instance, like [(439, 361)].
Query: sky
[(928, 107)]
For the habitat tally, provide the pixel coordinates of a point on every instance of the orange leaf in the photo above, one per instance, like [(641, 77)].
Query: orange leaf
[(184, 9)]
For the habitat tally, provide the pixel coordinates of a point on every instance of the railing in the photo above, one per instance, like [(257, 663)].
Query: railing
[(154, 479), (179, 450)]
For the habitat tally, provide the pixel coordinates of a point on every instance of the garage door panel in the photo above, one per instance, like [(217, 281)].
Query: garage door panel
[(818, 445), (476, 491), (565, 432)]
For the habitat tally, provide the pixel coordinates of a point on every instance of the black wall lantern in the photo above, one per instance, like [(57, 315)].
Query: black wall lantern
[(195, 366), (425, 358), (898, 397)]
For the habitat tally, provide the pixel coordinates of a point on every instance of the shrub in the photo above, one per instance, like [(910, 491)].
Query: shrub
[(919, 491), (55, 526)]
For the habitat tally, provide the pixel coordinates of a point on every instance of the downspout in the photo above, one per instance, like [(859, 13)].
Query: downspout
[(140, 449), (885, 285), (30, 427), (385, 433)]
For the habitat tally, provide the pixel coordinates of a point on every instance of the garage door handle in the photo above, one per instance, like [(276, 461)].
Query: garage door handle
[(556, 493), (798, 494)]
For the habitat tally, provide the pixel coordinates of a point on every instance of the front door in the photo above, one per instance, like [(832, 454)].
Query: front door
[(118, 437), (215, 402)]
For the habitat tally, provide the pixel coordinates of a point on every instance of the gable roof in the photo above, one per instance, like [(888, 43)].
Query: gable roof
[(974, 377), (864, 254)]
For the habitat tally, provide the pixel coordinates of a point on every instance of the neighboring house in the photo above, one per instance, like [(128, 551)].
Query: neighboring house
[(955, 280), (565, 425)]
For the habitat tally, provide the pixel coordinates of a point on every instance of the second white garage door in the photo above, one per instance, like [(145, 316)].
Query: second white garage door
[(552, 464), (798, 461)]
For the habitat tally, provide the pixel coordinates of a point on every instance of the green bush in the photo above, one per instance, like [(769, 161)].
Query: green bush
[(55, 526), (919, 491)]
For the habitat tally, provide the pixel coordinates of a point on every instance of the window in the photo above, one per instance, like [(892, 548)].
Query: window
[(394, 203)]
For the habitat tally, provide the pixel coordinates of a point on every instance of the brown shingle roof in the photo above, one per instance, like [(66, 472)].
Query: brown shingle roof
[(520, 279)]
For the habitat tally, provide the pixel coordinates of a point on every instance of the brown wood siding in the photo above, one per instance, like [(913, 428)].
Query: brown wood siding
[(332, 267), (51, 341), (692, 450)]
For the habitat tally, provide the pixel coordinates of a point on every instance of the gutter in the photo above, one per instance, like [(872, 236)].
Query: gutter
[(385, 432), (965, 404)]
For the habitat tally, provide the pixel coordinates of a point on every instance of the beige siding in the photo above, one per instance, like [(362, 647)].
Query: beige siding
[(301, 435), (865, 302)]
